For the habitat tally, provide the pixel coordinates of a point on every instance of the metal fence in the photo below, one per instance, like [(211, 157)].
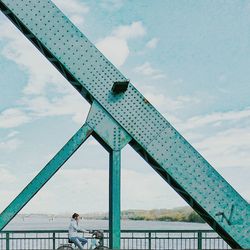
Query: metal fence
[(130, 239)]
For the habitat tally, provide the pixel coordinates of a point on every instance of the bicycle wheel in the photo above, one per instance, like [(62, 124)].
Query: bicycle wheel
[(65, 248)]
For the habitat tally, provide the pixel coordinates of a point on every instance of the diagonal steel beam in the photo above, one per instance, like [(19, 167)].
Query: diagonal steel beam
[(45, 174)]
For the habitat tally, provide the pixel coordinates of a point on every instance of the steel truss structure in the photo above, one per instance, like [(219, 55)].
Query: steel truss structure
[(121, 115)]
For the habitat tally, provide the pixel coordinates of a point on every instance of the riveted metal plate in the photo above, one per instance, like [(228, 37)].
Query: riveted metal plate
[(107, 128)]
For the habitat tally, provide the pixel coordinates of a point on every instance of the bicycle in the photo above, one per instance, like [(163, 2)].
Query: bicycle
[(96, 242)]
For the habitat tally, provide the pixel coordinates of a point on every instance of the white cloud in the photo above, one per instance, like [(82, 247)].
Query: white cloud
[(151, 44), (150, 188), (41, 106), (70, 104), (217, 118), (6, 177), (8, 186), (10, 145), (43, 79), (147, 70), (115, 47), (76, 183), (161, 102), (167, 105), (74, 9), (229, 148), (13, 117), (41, 73), (12, 134), (112, 5), (136, 29)]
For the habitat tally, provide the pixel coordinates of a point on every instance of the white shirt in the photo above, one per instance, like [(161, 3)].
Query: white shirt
[(73, 228)]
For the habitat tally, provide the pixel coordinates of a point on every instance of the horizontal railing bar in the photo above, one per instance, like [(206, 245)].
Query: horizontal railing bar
[(122, 237), (131, 239), (106, 231)]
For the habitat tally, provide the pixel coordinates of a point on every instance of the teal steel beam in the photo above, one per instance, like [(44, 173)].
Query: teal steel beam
[(114, 199), (112, 135), (45, 174), (113, 138)]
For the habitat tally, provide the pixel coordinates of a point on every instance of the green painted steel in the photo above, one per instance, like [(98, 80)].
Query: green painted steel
[(199, 240), (7, 245), (44, 175), (153, 137), (114, 199), (113, 137), (111, 133)]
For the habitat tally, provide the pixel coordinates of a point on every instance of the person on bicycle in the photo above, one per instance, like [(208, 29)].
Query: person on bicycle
[(73, 229)]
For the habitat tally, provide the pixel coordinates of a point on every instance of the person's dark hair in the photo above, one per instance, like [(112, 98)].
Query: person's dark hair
[(75, 215)]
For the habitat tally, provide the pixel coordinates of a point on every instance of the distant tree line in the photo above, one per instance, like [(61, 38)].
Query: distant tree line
[(163, 215), (182, 214)]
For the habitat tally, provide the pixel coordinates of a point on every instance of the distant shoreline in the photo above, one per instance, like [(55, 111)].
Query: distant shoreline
[(182, 214)]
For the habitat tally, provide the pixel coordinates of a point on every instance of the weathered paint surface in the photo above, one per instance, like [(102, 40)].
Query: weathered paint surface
[(152, 136)]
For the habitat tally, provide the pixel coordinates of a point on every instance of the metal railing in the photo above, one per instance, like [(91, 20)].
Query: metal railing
[(130, 239)]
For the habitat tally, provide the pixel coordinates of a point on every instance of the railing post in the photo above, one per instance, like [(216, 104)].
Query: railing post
[(149, 240), (199, 240), (54, 241), (7, 241)]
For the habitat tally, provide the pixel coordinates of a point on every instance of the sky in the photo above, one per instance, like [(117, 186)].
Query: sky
[(189, 58)]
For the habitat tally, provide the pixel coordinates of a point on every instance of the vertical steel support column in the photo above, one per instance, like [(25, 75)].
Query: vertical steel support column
[(199, 240), (114, 199), (149, 241), (7, 241), (113, 138), (54, 240)]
